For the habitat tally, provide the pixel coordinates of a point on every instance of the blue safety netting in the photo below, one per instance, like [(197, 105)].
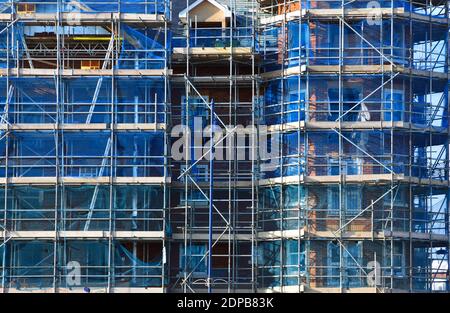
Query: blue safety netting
[(364, 43), (435, 8), (142, 49), (196, 119), (420, 268), (318, 154), (140, 154), (138, 208), (31, 208), (10, 43), (86, 203), (33, 263), (284, 155), (279, 207), (284, 101), (163, 6), (193, 259), (3, 48), (281, 260), (352, 258), (360, 99), (136, 100), (87, 207), (135, 272), (137, 154), (216, 38), (295, 38), (358, 51), (94, 6)]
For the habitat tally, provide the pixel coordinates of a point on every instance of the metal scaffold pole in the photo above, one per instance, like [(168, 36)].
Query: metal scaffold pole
[(211, 199)]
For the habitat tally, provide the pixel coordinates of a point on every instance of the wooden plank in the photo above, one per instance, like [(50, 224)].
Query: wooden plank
[(352, 69), (83, 180), (83, 126), (212, 51), (84, 18), (34, 234), (351, 13)]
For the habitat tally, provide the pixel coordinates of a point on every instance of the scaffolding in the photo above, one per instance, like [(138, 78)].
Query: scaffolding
[(212, 207), (95, 96), (357, 94), (84, 145)]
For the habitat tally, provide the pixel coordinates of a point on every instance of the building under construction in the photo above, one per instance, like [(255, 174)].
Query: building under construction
[(97, 95)]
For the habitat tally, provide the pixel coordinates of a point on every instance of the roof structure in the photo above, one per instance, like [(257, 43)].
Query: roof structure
[(183, 14)]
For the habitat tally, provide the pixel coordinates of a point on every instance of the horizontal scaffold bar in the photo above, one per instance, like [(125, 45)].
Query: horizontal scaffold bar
[(79, 72), (297, 289), (219, 184), (363, 125), (353, 69), (83, 290), (83, 127), (210, 52), (364, 178), (320, 235), (75, 234), (351, 13), (216, 79), (83, 180), (78, 18)]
